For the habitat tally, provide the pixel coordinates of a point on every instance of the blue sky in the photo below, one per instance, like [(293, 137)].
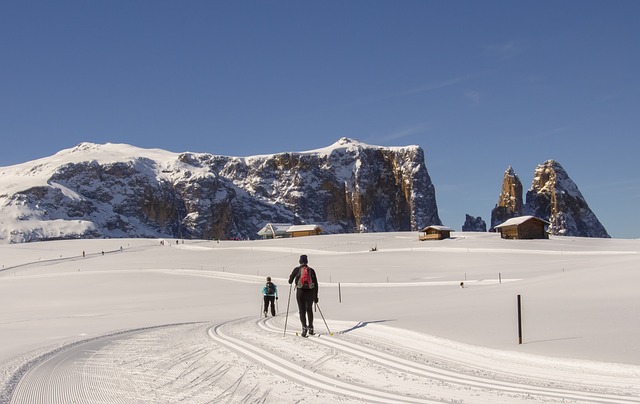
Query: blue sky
[(479, 85)]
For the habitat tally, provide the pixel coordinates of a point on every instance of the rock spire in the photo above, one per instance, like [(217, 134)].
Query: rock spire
[(553, 197), (510, 200)]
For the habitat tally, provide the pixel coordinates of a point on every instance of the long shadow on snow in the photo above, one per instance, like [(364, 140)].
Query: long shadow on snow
[(361, 325)]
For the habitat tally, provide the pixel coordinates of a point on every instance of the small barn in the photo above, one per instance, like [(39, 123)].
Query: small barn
[(523, 228), (304, 230), (274, 230), (435, 233)]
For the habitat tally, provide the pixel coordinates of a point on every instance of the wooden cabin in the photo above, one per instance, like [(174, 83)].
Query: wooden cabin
[(303, 230), (435, 233), (274, 230), (523, 228)]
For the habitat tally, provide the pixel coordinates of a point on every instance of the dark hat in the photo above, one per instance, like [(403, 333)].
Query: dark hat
[(303, 259), (268, 279)]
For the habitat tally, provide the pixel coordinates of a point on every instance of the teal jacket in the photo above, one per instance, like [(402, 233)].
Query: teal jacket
[(275, 290)]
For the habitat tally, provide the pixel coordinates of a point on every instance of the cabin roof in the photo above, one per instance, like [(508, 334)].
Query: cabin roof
[(303, 227), (437, 227), (278, 228), (516, 221)]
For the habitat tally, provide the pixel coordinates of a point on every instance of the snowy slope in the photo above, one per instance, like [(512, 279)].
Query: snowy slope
[(26, 219), (117, 190), (144, 321)]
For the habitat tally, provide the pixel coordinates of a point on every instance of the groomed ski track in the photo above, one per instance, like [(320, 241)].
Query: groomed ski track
[(252, 360)]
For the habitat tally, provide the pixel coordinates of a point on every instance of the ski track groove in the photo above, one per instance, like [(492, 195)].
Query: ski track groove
[(318, 364), (303, 375), (457, 377), (229, 362)]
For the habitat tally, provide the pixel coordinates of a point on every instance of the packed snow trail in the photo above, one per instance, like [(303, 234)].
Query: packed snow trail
[(310, 376), (430, 377), (435, 367), (250, 360)]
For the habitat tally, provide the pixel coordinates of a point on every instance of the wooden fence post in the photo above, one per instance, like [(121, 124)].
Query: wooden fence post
[(519, 321)]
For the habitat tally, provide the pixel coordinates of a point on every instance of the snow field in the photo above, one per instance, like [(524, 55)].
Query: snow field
[(253, 360), (168, 322)]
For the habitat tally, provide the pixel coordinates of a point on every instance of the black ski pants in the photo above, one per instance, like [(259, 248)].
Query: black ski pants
[(305, 299), (270, 300)]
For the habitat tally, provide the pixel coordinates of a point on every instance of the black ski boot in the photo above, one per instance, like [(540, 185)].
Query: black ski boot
[(311, 332), (304, 332)]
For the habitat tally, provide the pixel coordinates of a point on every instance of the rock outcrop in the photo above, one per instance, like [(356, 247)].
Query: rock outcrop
[(553, 197), (474, 224), (122, 191), (556, 198), (510, 200)]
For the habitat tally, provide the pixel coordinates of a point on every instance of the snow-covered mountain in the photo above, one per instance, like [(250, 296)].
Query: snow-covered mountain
[(117, 190), (553, 196)]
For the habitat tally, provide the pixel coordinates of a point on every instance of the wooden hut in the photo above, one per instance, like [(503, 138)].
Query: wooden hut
[(523, 228), (274, 230), (304, 230), (435, 233)]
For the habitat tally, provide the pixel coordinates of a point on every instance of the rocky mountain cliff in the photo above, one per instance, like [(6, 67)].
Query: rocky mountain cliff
[(554, 197), (474, 224), (115, 190), (510, 200)]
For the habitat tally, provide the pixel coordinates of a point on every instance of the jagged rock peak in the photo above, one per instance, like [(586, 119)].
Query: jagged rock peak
[(510, 200), (511, 194), (556, 198), (475, 224), (551, 174)]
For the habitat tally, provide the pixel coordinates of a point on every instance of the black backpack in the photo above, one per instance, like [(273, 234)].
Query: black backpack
[(271, 288)]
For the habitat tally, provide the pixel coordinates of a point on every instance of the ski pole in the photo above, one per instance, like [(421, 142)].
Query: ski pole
[(287, 317), (325, 321)]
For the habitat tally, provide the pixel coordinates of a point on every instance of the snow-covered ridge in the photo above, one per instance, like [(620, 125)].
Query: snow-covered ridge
[(127, 191), (346, 143), (343, 145), (38, 172), (120, 152)]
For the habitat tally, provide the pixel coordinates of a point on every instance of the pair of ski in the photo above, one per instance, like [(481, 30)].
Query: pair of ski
[(303, 335)]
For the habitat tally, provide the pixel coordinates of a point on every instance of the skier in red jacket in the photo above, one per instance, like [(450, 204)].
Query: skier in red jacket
[(306, 293)]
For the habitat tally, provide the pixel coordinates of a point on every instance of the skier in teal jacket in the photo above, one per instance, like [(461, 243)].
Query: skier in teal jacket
[(270, 293)]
